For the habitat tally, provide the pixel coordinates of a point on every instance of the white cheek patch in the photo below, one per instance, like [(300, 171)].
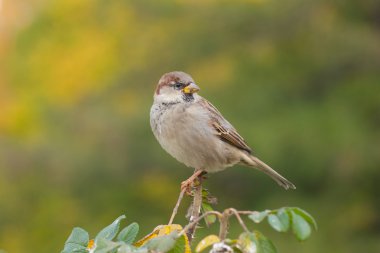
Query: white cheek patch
[(168, 95)]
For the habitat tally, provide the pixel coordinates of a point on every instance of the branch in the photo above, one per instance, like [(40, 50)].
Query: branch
[(175, 210), (224, 221), (236, 213), (196, 209), (195, 222)]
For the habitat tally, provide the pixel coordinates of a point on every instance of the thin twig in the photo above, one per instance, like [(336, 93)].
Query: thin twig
[(224, 222), (246, 212), (175, 210), (223, 219), (195, 222), (242, 224), (255, 212)]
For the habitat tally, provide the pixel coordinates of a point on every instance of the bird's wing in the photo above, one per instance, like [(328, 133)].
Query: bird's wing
[(224, 129)]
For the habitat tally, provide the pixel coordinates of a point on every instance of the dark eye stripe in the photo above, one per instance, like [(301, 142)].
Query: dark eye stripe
[(178, 86)]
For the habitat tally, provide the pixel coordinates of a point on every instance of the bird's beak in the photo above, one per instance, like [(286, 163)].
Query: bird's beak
[(191, 88)]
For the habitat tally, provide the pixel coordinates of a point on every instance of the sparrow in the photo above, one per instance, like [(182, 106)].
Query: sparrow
[(194, 132)]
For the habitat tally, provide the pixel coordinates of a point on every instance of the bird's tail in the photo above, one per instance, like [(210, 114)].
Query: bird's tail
[(255, 162)]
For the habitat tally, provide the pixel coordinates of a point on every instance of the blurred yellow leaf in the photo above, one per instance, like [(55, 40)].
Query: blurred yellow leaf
[(207, 242), (164, 230), (159, 231)]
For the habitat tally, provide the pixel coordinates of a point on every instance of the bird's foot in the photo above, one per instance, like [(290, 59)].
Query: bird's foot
[(194, 180)]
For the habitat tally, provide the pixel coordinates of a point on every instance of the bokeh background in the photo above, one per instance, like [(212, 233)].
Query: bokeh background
[(299, 79)]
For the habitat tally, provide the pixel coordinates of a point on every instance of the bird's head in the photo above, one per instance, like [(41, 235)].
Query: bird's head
[(175, 87)]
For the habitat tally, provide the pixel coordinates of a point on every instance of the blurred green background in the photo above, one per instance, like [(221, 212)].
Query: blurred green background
[(299, 79)]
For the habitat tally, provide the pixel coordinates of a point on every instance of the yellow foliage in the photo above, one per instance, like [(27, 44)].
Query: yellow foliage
[(19, 118), (66, 73), (164, 230), (213, 2), (207, 242)]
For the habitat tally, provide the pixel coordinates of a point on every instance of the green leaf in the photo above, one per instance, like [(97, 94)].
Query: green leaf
[(179, 246), (259, 216), (209, 219), (279, 221), (106, 246), (125, 248), (263, 244), (246, 243), (162, 243), (78, 236), (129, 233), (77, 241), (276, 223), (111, 230), (301, 228), (283, 215), (73, 247), (306, 216)]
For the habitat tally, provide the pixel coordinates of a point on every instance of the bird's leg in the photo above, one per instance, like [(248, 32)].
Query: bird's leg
[(187, 184)]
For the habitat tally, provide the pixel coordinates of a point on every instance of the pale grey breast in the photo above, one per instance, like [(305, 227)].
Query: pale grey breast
[(184, 131)]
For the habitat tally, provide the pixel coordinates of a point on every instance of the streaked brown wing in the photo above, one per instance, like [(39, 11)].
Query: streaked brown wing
[(224, 129)]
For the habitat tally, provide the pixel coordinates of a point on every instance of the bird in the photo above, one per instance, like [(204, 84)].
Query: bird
[(193, 131)]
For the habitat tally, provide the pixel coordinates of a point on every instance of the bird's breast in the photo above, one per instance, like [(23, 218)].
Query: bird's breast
[(184, 132)]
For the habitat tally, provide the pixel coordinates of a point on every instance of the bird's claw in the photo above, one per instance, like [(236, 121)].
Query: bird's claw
[(192, 181), (186, 186)]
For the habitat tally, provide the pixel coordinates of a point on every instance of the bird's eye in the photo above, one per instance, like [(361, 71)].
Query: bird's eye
[(177, 86)]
